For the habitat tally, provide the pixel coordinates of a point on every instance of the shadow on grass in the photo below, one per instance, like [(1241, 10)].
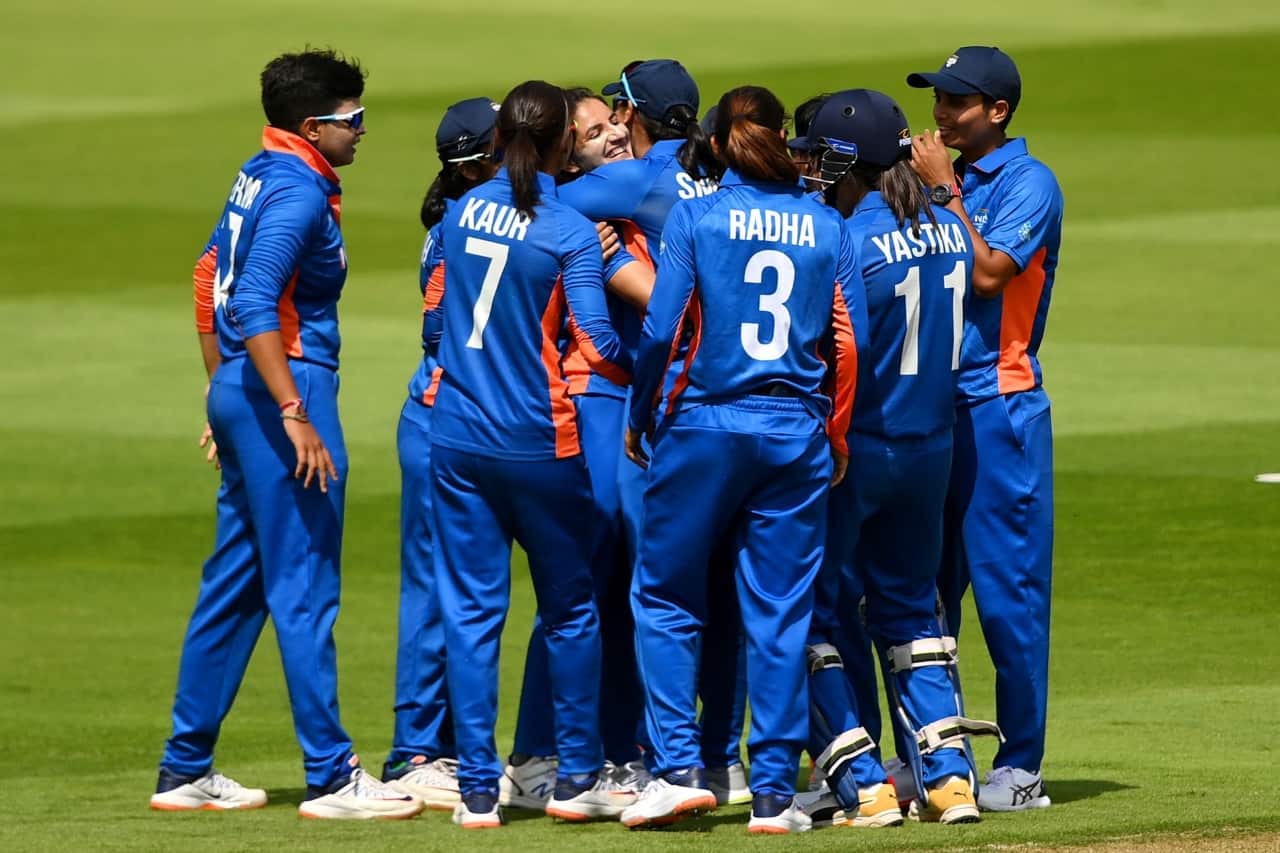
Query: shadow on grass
[(1071, 790), (286, 796)]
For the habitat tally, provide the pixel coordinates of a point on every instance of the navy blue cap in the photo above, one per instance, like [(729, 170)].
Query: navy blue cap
[(466, 130), (864, 124), (975, 70), (708, 122), (655, 86)]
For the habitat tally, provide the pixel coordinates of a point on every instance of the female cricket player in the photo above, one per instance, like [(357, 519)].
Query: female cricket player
[(885, 524), (279, 265), (506, 459), (767, 278), (423, 760)]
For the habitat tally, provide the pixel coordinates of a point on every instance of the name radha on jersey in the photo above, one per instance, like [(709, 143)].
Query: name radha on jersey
[(496, 219), (772, 226), (945, 237)]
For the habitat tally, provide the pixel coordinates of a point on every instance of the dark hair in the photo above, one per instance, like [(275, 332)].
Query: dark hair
[(749, 123), (296, 86), (531, 124), (899, 186), (681, 122), (450, 183), (806, 111), (577, 94)]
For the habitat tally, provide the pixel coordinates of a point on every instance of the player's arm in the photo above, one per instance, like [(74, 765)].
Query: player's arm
[(632, 282), (202, 280), (662, 324), (588, 313), (851, 329), (433, 307), (284, 225), (993, 269), (612, 191)]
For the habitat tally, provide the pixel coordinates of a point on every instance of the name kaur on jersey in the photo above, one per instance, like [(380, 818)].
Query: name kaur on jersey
[(492, 218), (771, 226), (933, 240)]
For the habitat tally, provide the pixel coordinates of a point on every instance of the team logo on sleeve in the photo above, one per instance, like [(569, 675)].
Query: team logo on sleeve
[(1024, 232), (980, 219)]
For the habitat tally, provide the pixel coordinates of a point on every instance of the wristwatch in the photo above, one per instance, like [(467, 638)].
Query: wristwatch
[(943, 193)]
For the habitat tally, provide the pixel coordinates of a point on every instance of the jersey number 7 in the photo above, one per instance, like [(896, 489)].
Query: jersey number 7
[(497, 255)]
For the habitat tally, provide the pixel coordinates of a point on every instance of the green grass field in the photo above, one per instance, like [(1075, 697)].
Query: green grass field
[(124, 124)]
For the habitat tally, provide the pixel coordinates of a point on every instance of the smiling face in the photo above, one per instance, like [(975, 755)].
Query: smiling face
[(600, 138), (336, 140), (969, 123)]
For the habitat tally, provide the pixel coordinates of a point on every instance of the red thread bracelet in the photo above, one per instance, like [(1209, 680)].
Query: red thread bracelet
[(289, 404)]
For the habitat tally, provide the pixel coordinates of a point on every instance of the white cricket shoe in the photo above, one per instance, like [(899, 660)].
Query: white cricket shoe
[(477, 811), (904, 781), (362, 798), (774, 814), (663, 802), (212, 792), (729, 784), (1008, 789), (528, 785), (632, 776), (433, 782), (605, 798), (822, 807)]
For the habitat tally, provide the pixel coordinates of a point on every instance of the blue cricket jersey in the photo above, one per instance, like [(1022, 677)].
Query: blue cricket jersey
[(638, 195), (769, 281), (916, 297), (277, 254), (512, 283), (431, 285), (1016, 205)]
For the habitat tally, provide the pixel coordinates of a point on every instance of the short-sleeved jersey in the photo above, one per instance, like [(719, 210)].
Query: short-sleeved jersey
[(513, 282), (1016, 205), (917, 286), (768, 279), (431, 286), (638, 195), (277, 258)]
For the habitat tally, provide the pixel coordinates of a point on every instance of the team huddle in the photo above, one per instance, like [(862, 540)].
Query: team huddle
[(759, 408)]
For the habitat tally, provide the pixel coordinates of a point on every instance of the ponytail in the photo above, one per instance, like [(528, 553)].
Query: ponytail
[(696, 156), (449, 184), (531, 124), (905, 196), (749, 124)]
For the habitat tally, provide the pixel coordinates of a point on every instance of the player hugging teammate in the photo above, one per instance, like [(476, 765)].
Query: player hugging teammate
[(727, 391)]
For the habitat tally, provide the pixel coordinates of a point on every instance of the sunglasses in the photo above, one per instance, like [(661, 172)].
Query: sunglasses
[(354, 119)]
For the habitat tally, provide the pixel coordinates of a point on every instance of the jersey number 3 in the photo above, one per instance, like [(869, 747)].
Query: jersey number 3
[(774, 304)]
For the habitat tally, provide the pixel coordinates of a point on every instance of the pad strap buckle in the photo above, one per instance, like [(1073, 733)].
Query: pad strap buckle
[(950, 732), (930, 651)]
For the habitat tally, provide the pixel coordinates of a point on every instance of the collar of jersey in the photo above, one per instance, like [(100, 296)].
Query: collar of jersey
[(546, 183), (732, 178), (991, 163), (872, 201), (283, 142), (664, 147)]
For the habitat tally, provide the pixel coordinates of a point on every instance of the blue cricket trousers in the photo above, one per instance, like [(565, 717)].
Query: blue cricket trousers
[(480, 505), (276, 552), (600, 430), (1000, 540), (755, 473), (422, 722)]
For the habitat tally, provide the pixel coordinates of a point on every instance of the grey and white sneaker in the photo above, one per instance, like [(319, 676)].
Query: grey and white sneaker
[(361, 797), (529, 784), (822, 807), (667, 799), (632, 776), (777, 814), (729, 784), (1009, 789), (582, 802), (435, 782), (211, 792)]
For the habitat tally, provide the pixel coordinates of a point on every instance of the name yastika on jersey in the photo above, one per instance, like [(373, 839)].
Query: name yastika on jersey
[(946, 237), (772, 226), (499, 220)]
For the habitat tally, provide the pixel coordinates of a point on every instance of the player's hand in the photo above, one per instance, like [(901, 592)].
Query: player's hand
[(839, 466), (634, 447), (609, 242), (207, 442), (313, 457), (931, 161)]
